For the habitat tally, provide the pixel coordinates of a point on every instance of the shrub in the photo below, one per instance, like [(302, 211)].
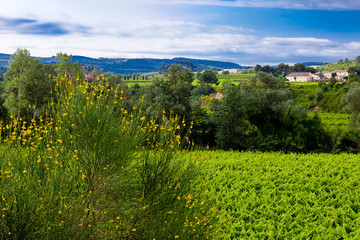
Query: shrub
[(92, 169)]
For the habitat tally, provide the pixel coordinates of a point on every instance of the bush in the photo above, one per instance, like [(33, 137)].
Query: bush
[(348, 141), (92, 169)]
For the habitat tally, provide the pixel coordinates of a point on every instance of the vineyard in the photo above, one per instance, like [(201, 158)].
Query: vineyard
[(279, 196), (335, 121), (235, 77)]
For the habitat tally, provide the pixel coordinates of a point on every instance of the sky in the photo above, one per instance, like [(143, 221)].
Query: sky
[(247, 32)]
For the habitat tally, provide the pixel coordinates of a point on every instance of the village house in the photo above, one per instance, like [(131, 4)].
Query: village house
[(339, 74), (232, 70), (302, 77), (317, 77)]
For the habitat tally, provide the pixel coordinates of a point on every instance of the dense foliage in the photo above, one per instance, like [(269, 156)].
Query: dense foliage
[(261, 115)]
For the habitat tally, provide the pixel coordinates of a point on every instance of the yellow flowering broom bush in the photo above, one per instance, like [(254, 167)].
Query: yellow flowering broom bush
[(91, 169)]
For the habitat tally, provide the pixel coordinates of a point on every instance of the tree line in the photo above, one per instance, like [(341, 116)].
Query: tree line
[(260, 114)]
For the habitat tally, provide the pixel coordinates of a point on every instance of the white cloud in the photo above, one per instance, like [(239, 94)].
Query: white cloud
[(176, 38)]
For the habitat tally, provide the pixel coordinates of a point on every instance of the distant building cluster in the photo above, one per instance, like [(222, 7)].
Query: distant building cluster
[(340, 76)]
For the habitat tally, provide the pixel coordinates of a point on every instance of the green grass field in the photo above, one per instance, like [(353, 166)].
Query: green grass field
[(280, 196)]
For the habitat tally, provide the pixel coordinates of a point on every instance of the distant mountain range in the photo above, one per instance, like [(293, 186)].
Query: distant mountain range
[(143, 65)]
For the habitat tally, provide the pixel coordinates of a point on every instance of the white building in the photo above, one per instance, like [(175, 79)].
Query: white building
[(302, 77), (317, 77)]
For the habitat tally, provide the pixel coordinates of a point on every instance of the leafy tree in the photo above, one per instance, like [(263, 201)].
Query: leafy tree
[(340, 61), (299, 67), (208, 77), (15, 81), (228, 114), (172, 93), (28, 84), (357, 60), (66, 67), (354, 70), (332, 81), (267, 69), (351, 102), (310, 69), (3, 110), (283, 69), (262, 115), (226, 72), (258, 68)]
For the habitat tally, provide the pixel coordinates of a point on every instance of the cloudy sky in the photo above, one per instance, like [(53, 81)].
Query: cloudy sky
[(243, 31)]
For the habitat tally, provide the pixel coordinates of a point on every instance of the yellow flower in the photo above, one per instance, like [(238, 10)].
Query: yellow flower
[(134, 230)]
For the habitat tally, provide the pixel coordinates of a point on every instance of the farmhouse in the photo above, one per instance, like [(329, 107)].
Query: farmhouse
[(317, 77), (302, 77), (339, 74), (232, 70)]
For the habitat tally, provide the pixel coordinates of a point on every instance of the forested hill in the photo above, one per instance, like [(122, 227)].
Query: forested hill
[(128, 66)]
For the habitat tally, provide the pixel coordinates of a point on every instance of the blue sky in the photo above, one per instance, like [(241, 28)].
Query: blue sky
[(243, 31)]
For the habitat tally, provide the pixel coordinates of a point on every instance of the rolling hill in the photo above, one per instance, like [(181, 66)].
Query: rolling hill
[(129, 66)]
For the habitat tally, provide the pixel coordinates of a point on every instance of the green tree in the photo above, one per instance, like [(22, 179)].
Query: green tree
[(263, 115), (332, 81), (3, 110), (351, 102), (354, 70), (299, 67), (66, 66), (15, 81), (283, 69), (258, 68), (357, 60), (208, 77), (172, 93), (267, 69), (28, 83)]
